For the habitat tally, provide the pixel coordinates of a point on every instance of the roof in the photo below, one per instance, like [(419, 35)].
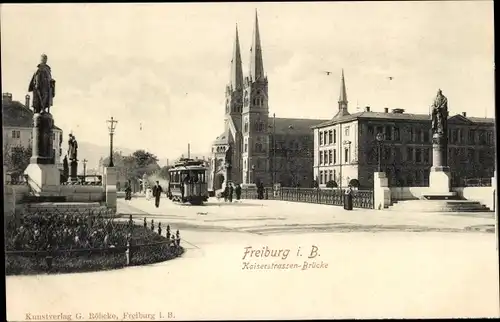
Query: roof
[(223, 138), (396, 116), (16, 114), (290, 126)]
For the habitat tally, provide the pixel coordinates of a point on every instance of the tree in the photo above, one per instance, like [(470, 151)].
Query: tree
[(17, 159), (163, 172), (331, 184)]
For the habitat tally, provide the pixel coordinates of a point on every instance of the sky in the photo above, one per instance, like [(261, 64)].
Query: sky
[(164, 67)]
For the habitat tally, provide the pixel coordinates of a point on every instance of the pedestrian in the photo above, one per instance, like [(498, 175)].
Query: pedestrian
[(231, 191), (237, 190), (226, 192), (157, 191), (145, 222), (128, 191)]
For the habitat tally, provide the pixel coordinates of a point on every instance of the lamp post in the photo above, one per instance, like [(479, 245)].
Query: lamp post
[(84, 168), (380, 138), (111, 127), (252, 176)]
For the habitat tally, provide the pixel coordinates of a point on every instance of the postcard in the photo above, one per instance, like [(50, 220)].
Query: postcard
[(201, 161)]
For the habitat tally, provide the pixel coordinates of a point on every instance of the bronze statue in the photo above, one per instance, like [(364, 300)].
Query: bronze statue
[(72, 148), (43, 87), (440, 114), (65, 167)]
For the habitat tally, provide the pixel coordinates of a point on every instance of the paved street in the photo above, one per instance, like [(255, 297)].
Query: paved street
[(390, 272)]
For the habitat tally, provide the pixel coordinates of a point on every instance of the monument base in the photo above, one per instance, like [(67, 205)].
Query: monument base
[(439, 184), (43, 178)]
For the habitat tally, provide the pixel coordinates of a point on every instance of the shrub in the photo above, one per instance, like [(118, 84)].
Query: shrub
[(331, 184)]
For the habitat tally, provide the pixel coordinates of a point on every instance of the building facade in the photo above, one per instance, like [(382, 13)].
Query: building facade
[(259, 147), (347, 148), (18, 127)]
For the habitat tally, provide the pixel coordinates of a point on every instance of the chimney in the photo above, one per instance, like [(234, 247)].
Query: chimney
[(27, 101), (6, 98), (367, 109), (386, 110), (464, 114)]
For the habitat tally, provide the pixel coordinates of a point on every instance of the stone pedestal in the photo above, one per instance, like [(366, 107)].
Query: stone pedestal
[(43, 178), (73, 171), (42, 139), (439, 176), (381, 191), (110, 176)]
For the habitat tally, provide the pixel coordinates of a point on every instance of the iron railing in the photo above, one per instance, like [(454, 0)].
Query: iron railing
[(335, 197), (477, 182)]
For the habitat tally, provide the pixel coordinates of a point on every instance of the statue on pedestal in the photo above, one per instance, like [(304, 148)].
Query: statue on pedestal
[(440, 114), (72, 156), (72, 148), (43, 87)]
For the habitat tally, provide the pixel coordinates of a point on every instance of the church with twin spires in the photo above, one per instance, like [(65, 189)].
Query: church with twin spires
[(259, 147)]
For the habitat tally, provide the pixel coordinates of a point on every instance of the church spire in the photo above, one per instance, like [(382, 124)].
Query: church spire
[(342, 98), (343, 91), (256, 64), (236, 65)]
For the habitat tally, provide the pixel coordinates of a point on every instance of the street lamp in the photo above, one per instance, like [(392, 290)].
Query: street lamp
[(111, 128), (380, 138), (252, 176), (84, 168)]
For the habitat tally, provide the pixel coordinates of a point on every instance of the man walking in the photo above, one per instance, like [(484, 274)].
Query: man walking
[(157, 191), (231, 190), (237, 190)]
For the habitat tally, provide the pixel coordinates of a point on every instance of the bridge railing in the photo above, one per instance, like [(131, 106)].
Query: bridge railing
[(335, 197)]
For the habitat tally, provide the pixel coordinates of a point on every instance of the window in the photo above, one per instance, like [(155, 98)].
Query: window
[(397, 154), (346, 155), (320, 157), (426, 155), (16, 134), (321, 177), (334, 175), (325, 137), (370, 130), (330, 175), (246, 126), (388, 133), (320, 138), (418, 155), (482, 137), (334, 136), (410, 134), (426, 136), (462, 136), (346, 131), (409, 154), (246, 147), (396, 134), (334, 156), (470, 155), (472, 136), (330, 157), (454, 136), (330, 137), (489, 138)]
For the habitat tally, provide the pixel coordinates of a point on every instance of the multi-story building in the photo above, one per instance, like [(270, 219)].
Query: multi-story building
[(18, 127), (261, 148), (347, 148)]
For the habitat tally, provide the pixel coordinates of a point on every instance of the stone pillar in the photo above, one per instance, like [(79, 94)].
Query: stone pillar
[(439, 176), (73, 170), (42, 139), (110, 187), (43, 175), (382, 193)]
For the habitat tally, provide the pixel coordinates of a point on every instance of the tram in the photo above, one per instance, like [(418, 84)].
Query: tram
[(188, 182)]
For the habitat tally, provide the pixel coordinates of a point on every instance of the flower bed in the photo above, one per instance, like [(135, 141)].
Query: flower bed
[(62, 244)]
